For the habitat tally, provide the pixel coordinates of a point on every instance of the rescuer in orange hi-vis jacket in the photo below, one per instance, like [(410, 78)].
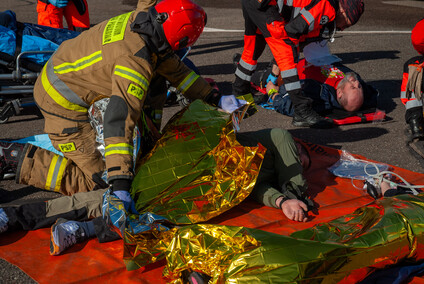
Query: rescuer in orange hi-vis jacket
[(117, 59), (285, 25), (412, 88), (75, 12)]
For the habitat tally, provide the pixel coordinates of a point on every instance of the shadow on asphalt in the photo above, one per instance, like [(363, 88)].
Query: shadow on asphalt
[(338, 135), (209, 48), (15, 197), (354, 57)]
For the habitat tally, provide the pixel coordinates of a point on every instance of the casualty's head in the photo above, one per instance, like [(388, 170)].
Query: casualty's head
[(350, 93), (349, 13), (182, 21), (417, 37)]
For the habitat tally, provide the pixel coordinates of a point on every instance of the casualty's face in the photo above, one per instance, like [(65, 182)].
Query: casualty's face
[(354, 94)]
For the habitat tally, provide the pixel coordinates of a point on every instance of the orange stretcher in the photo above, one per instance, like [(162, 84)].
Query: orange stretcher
[(91, 261)]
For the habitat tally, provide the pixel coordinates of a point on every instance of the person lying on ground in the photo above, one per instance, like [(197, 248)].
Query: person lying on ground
[(119, 59), (280, 184), (330, 87), (285, 26)]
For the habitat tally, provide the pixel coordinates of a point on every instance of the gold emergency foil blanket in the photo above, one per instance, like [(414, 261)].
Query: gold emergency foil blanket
[(209, 247), (374, 236), (197, 170)]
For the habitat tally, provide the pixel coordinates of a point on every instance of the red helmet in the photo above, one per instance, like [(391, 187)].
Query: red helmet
[(417, 37), (182, 22)]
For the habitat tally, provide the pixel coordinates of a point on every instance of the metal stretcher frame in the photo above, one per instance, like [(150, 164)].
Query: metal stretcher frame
[(16, 87)]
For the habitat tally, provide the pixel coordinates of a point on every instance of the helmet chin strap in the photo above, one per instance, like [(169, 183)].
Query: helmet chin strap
[(146, 25)]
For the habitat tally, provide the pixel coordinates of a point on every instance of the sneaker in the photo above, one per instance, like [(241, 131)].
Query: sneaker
[(307, 117), (65, 234), (4, 220)]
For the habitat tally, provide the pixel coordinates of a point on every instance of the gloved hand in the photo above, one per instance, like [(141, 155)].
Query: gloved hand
[(230, 103), (127, 200), (272, 78), (59, 3)]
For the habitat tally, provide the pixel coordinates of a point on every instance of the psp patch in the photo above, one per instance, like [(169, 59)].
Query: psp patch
[(136, 91), (68, 147)]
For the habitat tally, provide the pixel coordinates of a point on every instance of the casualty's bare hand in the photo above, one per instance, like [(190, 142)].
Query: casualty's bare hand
[(271, 86), (295, 210)]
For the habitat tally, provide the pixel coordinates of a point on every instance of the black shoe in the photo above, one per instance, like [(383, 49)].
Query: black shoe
[(307, 117), (10, 154), (416, 126), (236, 59), (415, 119)]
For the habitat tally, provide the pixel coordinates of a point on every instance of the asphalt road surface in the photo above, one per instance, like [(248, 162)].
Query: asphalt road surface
[(376, 47)]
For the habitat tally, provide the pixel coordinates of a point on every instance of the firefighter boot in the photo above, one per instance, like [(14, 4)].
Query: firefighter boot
[(9, 157), (414, 117), (305, 116)]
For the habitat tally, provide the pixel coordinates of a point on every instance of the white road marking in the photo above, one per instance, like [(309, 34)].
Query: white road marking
[(213, 30)]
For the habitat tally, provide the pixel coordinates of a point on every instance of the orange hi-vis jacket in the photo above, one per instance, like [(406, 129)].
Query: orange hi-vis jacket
[(283, 25)]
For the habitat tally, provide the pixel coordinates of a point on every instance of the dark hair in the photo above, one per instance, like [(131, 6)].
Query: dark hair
[(303, 150), (353, 9)]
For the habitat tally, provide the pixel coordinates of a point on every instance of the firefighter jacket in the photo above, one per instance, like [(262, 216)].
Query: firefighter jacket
[(409, 98), (110, 60), (284, 25)]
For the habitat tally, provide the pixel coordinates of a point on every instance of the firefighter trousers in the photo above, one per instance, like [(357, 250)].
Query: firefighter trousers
[(81, 167)]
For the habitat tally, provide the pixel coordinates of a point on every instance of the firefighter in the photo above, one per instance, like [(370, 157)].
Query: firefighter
[(412, 87), (115, 59), (284, 25), (51, 13)]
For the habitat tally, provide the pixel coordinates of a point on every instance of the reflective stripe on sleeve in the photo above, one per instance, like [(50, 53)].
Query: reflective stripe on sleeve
[(59, 92), (120, 148), (309, 18), (132, 75), (79, 64), (188, 81), (55, 174)]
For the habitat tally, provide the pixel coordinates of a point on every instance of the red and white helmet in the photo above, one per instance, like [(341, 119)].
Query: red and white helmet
[(417, 37), (182, 22)]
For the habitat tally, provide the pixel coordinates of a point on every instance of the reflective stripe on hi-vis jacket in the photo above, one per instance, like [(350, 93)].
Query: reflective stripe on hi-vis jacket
[(55, 174), (120, 148), (188, 81), (132, 75), (59, 92), (79, 64)]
